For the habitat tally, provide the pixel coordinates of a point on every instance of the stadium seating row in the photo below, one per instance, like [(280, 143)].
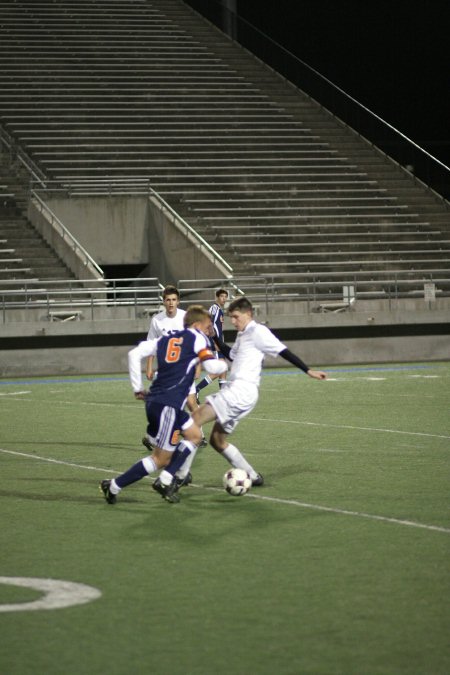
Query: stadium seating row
[(118, 96)]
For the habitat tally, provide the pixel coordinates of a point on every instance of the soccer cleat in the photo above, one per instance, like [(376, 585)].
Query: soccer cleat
[(167, 492), (182, 482), (147, 443), (258, 481), (108, 495)]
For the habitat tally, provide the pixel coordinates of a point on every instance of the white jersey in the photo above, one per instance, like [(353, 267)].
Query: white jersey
[(248, 352), (161, 324)]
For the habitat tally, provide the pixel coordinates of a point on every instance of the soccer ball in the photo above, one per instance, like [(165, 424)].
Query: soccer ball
[(237, 482)]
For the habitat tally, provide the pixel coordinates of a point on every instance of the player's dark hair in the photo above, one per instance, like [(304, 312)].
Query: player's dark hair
[(241, 304), (171, 290), (195, 313), (220, 291)]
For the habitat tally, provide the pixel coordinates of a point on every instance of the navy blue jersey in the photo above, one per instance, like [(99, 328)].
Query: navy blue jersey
[(216, 314), (178, 354)]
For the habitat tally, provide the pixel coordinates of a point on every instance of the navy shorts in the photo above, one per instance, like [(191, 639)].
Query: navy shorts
[(165, 425)]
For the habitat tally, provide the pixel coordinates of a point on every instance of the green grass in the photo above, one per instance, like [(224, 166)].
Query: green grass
[(339, 565)]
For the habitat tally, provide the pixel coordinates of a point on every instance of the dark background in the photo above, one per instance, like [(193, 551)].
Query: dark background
[(390, 55)]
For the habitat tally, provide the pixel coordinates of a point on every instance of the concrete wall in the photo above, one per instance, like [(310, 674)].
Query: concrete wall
[(38, 348), (62, 246), (131, 230), (113, 229), (172, 255)]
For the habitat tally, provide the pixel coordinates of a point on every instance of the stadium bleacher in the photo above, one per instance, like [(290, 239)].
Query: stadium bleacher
[(117, 95)]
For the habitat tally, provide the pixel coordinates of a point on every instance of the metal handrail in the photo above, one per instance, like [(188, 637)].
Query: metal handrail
[(191, 234), (68, 237), (32, 168), (68, 295)]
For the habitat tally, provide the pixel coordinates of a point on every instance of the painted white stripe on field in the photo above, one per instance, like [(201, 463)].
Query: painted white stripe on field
[(348, 426), (90, 404), (58, 461), (14, 393), (345, 512), (57, 594), (276, 500)]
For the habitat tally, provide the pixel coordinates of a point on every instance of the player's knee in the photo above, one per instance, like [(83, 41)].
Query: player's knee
[(193, 434)]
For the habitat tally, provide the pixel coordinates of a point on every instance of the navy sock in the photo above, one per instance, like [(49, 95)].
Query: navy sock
[(203, 383), (134, 473), (180, 454)]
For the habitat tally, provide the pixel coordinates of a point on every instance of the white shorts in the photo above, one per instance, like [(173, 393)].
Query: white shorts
[(232, 402)]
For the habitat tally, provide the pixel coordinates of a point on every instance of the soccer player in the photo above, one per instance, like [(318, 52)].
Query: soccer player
[(216, 312), (239, 395), (178, 354), (163, 323), (170, 319)]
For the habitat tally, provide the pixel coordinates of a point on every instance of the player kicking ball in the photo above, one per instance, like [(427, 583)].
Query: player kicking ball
[(239, 395)]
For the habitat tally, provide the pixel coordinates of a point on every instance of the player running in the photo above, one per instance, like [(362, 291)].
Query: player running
[(178, 354)]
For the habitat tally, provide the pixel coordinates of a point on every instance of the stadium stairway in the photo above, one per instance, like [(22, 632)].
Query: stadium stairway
[(25, 257), (110, 93)]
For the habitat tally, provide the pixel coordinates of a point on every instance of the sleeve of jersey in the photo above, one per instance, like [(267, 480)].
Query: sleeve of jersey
[(152, 331), (135, 356), (266, 341), (202, 347), (203, 350), (215, 366)]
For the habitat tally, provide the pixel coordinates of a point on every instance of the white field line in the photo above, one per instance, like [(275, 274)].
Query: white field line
[(345, 512), (59, 461), (347, 426), (275, 500), (15, 393), (258, 419), (61, 401)]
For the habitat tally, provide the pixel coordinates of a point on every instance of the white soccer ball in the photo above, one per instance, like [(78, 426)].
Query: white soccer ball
[(237, 482)]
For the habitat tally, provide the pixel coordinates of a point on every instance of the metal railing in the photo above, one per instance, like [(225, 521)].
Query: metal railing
[(318, 291), (87, 260), (130, 188), (191, 235), (144, 296), (16, 153), (59, 297)]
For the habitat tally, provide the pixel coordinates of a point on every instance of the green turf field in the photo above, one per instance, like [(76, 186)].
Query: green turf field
[(339, 565)]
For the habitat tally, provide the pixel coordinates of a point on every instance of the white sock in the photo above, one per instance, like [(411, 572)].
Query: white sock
[(165, 477), (149, 464), (237, 459), (114, 488), (184, 470)]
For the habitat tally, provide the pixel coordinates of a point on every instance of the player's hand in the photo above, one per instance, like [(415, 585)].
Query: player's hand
[(317, 374), (140, 395)]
